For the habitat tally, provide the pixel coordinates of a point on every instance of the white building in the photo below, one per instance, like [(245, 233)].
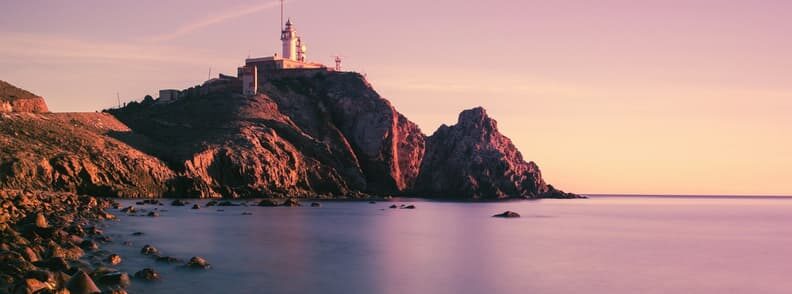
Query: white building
[(168, 95)]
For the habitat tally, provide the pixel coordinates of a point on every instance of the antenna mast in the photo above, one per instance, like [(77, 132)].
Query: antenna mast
[(118, 97), (281, 21)]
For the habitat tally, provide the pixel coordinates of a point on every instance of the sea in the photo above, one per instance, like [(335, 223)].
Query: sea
[(604, 244)]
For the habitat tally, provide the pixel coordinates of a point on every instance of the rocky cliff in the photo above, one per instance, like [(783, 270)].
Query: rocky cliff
[(324, 135), (473, 160), (63, 153), (13, 99)]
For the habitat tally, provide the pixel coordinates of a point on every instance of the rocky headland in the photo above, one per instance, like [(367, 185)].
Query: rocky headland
[(328, 135)]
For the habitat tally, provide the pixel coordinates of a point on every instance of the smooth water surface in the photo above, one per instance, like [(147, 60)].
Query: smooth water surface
[(597, 245)]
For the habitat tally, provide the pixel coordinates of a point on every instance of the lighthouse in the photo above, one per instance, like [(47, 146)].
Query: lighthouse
[(290, 41), (292, 63)]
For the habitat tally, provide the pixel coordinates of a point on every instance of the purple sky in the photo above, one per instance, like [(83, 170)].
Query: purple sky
[(689, 97)]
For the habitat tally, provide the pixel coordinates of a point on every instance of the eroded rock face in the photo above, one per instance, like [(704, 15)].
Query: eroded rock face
[(473, 160), (13, 99)]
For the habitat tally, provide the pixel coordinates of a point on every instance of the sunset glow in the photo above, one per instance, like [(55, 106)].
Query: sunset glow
[(647, 97)]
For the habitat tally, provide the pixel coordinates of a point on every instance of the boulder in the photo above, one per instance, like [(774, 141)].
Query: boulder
[(81, 283)]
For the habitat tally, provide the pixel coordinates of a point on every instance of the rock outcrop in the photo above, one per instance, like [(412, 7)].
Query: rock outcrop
[(473, 160), (13, 99)]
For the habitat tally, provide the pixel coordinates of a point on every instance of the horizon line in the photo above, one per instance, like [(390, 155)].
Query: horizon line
[(689, 195)]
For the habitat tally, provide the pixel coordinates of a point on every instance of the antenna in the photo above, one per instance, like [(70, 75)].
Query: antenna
[(337, 62), (281, 20), (210, 74), (118, 97)]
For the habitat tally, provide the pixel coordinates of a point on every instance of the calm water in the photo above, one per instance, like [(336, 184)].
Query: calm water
[(599, 245)]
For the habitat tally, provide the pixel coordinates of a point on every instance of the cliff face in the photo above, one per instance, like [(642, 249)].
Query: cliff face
[(473, 160), (342, 109), (13, 99)]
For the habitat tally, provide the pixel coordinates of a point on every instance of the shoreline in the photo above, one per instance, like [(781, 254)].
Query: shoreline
[(51, 241)]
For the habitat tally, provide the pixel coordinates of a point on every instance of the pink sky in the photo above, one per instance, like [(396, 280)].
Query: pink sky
[(661, 97)]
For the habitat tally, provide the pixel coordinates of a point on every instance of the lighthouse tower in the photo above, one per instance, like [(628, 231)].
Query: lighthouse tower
[(290, 40)]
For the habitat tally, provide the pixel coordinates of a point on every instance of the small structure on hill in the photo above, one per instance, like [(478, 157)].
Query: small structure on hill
[(168, 95)]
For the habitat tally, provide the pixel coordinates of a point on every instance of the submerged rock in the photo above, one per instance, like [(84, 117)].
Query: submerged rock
[(168, 259), (507, 214), (147, 274), (149, 250), (198, 262), (291, 202), (316, 204), (268, 203), (114, 279), (196, 206), (408, 206), (89, 245), (178, 202)]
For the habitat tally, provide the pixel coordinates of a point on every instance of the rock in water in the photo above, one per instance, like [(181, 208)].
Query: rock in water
[(114, 259), (316, 204), (507, 214), (149, 250), (81, 283), (196, 206), (198, 262), (147, 274), (291, 202), (114, 279), (268, 203), (473, 160)]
